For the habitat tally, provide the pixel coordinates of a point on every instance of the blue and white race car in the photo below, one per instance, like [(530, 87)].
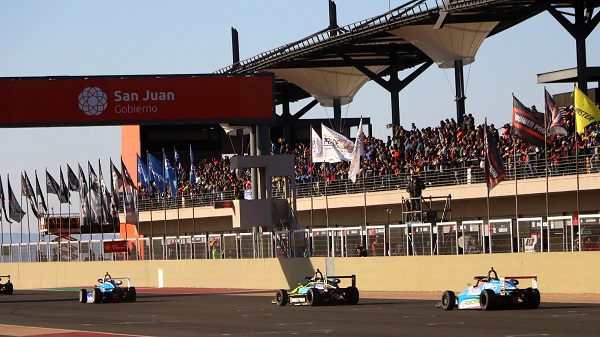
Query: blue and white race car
[(319, 290), (109, 289), (6, 288), (491, 292)]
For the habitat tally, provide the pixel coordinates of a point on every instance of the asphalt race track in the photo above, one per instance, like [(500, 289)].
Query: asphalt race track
[(210, 313)]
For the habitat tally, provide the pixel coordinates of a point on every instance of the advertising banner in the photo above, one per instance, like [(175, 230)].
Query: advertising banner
[(172, 99)]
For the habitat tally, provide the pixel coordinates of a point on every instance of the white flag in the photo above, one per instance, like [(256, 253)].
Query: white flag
[(316, 146), (357, 152), (336, 147)]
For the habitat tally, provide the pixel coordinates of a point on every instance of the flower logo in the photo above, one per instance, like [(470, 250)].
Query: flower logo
[(92, 101)]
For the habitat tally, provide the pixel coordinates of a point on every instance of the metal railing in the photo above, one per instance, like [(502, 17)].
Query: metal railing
[(556, 234), (463, 172)]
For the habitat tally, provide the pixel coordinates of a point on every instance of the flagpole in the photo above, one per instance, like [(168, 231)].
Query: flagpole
[(28, 233), (516, 177), (547, 124), (326, 200), (165, 257), (577, 169), (192, 194), (9, 222), (151, 221), (310, 184), (324, 177), (178, 202), (21, 232), (123, 177), (487, 183)]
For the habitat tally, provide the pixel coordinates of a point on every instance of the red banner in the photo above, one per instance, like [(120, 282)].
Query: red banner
[(115, 246), (93, 101)]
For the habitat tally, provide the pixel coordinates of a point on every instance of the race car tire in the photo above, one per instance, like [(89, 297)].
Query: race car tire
[(82, 296), (448, 300), (130, 295), (313, 297), (488, 300), (531, 298), (281, 298), (96, 296), (352, 295), (8, 288)]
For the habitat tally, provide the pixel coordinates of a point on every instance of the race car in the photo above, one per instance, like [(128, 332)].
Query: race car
[(319, 290), (109, 289), (6, 288), (491, 292)]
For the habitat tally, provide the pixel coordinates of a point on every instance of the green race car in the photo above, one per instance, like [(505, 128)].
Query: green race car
[(319, 290)]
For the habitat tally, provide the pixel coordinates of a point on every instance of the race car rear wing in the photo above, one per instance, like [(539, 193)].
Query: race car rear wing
[(107, 277), (353, 277), (319, 275), (1, 276), (533, 278)]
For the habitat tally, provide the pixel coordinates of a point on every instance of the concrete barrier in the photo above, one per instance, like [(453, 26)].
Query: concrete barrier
[(564, 273)]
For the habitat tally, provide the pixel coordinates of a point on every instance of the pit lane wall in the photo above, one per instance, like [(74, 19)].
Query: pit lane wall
[(563, 273)]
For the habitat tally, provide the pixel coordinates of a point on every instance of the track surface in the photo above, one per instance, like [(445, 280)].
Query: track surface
[(210, 313)]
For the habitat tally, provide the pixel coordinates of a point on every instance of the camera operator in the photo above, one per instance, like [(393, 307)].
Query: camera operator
[(414, 189)]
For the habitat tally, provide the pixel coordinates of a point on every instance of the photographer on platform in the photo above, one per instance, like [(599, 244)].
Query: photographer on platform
[(415, 189)]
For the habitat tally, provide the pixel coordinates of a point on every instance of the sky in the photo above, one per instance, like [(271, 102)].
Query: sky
[(114, 37)]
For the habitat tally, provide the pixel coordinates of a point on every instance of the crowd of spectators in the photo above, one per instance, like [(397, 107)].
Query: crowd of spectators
[(408, 150)]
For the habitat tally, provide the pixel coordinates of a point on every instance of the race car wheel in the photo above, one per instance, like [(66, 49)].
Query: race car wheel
[(448, 300), (352, 295), (130, 295), (488, 300), (97, 296), (313, 297), (531, 298), (8, 288), (82, 296), (281, 297)]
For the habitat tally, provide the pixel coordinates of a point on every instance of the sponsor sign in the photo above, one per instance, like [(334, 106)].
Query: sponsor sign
[(470, 303), (115, 246), (93, 101)]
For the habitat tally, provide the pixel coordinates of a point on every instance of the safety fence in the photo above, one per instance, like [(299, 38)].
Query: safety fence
[(556, 234)]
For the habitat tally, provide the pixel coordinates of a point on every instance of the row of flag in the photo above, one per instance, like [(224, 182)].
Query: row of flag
[(538, 128), (160, 174), (528, 125), (99, 202)]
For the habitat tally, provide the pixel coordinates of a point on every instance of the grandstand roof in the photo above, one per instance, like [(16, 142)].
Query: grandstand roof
[(369, 43)]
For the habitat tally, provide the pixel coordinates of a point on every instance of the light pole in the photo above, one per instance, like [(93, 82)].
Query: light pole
[(388, 211)]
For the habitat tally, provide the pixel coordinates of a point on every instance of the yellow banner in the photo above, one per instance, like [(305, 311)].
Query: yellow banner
[(586, 111)]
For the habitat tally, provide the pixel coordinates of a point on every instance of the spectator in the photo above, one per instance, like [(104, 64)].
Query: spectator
[(361, 249)]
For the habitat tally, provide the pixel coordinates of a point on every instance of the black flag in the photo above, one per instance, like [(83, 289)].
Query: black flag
[(2, 201), (40, 194), (64, 193), (14, 209), (27, 191), (72, 178), (494, 169), (526, 125)]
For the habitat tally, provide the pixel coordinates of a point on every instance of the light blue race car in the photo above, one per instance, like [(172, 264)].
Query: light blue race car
[(491, 292), (109, 289)]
